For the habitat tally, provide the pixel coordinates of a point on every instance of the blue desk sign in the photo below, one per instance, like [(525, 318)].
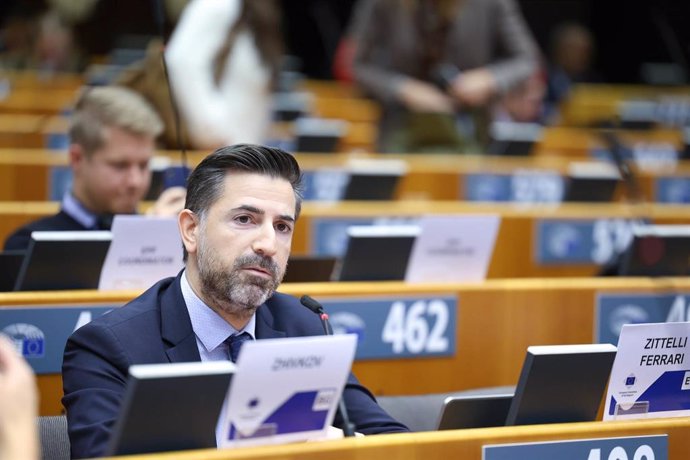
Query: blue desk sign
[(646, 155), (329, 235), (526, 186), (325, 184), (672, 190), (572, 242), (397, 327), (624, 448), (487, 187), (612, 311), (41, 333)]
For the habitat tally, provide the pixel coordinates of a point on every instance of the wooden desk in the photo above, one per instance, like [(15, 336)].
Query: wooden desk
[(19, 131), (31, 101), (24, 173), (589, 103), (37, 81), (443, 445), (496, 321), (578, 142), (516, 243), (330, 89)]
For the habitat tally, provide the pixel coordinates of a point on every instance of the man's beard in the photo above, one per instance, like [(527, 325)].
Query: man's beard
[(235, 291)]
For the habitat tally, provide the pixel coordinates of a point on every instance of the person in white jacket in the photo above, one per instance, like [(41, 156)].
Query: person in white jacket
[(222, 60)]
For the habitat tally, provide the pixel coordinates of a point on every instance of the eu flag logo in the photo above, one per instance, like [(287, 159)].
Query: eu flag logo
[(630, 381)]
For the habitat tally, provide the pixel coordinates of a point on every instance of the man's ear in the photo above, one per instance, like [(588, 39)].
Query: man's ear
[(188, 223), (77, 156)]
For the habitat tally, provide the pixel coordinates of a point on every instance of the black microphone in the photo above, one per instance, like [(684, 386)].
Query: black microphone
[(316, 307)]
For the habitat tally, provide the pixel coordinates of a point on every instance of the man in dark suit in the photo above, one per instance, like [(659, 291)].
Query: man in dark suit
[(237, 226), (113, 137)]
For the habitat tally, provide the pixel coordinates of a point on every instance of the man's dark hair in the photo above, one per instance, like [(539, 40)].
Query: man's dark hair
[(205, 184)]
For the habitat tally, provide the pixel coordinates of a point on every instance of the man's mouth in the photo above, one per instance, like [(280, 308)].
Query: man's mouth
[(259, 271)]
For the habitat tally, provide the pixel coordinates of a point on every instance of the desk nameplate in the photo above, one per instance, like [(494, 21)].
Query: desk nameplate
[(625, 448)]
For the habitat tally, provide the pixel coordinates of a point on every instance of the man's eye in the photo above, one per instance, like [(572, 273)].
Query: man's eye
[(283, 228), (243, 219)]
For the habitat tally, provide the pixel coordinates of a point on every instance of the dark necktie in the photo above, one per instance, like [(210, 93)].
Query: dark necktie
[(235, 342), (104, 221)]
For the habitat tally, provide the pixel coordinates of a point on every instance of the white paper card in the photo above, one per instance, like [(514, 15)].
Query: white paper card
[(286, 390), (143, 251), (452, 249), (651, 374)]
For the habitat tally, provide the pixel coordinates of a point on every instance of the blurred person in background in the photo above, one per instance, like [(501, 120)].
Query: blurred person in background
[(55, 49), (16, 38), (112, 140), (223, 60), (524, 103), (571, 55), (36, 36), (435, 66)]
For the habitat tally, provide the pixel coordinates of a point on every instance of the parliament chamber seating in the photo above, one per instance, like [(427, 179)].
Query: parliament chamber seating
[(521, 304)]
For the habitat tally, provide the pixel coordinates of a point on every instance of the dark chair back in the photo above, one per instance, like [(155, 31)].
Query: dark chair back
[(54, 439)]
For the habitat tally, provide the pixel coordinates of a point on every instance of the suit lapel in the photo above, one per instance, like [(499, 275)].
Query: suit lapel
[(264, 324), (176, 327)]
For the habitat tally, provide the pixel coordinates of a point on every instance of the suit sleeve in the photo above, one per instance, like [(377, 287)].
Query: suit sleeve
[(372, 53), (19, 240), (365, 413), (94, 373), (519, 50)]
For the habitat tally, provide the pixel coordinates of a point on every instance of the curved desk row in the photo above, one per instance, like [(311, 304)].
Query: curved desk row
[(488, 329), (28, 174), (533, 241), (461, 444)]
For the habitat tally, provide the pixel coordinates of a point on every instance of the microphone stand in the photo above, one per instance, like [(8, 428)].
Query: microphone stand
[(316, 307)]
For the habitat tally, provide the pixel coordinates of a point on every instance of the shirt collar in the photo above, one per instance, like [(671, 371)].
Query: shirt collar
[(73, 207), (210, 328)]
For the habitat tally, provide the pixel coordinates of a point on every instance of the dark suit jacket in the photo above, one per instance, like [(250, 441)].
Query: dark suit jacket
[(155, 328), (19, 240)]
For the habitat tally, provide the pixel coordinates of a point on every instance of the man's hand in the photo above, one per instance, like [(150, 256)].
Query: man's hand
[(18, 405), (169, 203), (473, 88), (419, 96)]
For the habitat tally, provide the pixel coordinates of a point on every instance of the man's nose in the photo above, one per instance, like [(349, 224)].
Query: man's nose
[(265, 242), (137, 177)]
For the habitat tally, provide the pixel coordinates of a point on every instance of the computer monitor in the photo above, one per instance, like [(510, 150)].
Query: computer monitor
[(10, 264), (558, 384), (170, 407), (63, 260), (474, 411), (376, 253), (289, 106), (638, 114), (657, 250), (373, 179), (590, 189), (309, 269), (371, 187), (513, 139), (561, 383), (318, 134), (593, 182)]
